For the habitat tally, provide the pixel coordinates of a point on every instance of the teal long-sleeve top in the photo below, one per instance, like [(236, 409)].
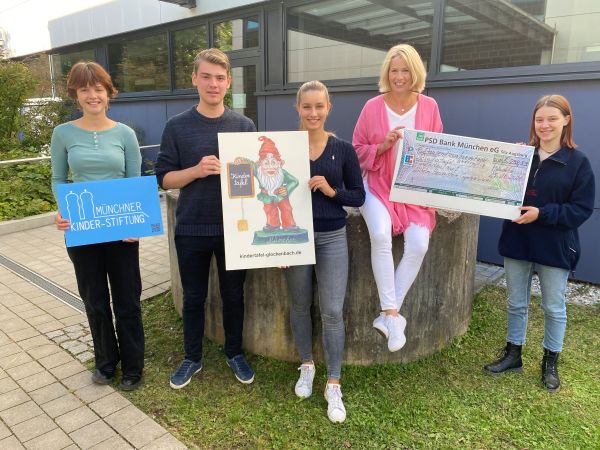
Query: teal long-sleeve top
[(94, 155)]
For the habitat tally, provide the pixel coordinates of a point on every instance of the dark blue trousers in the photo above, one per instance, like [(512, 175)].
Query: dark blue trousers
[(194, 254)]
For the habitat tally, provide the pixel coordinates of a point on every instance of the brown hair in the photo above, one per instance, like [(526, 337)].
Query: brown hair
[(88, 73), (562, 104), (414, 63), (213, 56)]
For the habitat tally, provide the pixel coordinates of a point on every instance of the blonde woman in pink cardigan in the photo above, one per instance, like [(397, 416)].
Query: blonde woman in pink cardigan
[(377, 132)]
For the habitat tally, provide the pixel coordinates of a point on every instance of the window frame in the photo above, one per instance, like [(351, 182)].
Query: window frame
[(251, 14), (268, 54), (366, 83), (588, 70), (137, 35), (436, 78), (172, 30)]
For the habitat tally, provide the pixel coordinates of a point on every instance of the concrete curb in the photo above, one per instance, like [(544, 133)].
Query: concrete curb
[(27, 223)]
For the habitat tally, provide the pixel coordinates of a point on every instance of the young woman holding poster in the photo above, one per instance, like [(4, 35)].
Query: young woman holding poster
[(377, 132), (335, 182), (95, 147), (544, 239)]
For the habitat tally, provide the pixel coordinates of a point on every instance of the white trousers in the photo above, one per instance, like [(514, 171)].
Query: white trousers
[(392, 285)]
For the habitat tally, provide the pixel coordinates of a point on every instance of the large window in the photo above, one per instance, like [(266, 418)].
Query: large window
[(138, 65), (334, 39), (236, 34), (482, 34), (61, 65), (186, 44)]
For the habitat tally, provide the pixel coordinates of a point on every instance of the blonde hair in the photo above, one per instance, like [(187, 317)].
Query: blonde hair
[(213, 56), (413, 62), (314, 85)]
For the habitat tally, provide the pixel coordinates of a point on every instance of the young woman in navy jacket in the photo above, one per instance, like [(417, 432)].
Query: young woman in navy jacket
[(544, 239)]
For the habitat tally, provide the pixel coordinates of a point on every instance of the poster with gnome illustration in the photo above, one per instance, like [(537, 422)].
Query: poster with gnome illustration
[(267, 208)]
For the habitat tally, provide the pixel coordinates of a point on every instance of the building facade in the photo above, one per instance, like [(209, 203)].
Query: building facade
[(488, 61)]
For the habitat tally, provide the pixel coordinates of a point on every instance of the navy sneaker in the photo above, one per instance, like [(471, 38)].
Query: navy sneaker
[(241, 369), (183, 374)]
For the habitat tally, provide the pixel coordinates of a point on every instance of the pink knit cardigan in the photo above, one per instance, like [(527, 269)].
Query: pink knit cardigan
[(370, 131)]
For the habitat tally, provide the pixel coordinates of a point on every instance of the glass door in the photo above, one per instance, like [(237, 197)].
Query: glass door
[(242, 94)]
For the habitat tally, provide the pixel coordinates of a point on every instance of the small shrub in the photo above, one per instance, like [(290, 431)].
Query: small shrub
[(39, 118), (16, 85)]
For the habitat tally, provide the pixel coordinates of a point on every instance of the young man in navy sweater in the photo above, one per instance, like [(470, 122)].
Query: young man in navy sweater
[(189, 161)]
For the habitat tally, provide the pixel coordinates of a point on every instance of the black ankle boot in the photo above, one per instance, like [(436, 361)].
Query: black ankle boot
[(509, 361), (550, 371)]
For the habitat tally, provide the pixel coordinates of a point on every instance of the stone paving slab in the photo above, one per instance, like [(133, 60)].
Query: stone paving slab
[(23, 246), (47, 397)]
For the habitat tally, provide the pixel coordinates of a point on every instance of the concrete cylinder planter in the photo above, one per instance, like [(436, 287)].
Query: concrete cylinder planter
[(437, 308)]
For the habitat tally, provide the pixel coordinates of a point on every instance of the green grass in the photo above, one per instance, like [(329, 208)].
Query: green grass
[(444, 401)]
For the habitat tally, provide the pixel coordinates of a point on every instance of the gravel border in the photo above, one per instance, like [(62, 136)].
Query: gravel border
[(578, 293)]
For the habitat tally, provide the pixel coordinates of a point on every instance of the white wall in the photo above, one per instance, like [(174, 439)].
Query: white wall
[(576, 22), (33, 26)]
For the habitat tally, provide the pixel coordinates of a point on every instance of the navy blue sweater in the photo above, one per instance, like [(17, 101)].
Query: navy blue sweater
[(339, 165), (562, 187), (186, 139)]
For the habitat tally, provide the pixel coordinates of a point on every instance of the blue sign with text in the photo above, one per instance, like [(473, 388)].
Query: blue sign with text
[(110, 210)]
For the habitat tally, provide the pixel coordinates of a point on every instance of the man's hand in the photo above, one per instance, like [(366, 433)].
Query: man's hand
[(209, 165), (531, 215), (131, 240), (61, 224)]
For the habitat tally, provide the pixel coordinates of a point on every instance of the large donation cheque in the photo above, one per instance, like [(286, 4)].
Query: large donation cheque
[(461, 173)]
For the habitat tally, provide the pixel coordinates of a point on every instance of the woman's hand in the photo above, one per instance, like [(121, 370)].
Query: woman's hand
[(61, 224), (319, 182), (531, 215), (390, 140), (131, 240)]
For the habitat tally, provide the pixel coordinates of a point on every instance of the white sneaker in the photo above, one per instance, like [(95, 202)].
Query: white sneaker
[(335, 407), (380, 326), (304, 384), (395, 326)]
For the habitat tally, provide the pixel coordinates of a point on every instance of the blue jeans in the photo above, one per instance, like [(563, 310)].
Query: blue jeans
[(553, 282), (331, 249)]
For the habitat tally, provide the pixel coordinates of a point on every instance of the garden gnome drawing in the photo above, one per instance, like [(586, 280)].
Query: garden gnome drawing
[(276, 185)]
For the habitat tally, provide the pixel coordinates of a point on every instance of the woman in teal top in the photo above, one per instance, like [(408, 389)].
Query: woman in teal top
[(94, 147)]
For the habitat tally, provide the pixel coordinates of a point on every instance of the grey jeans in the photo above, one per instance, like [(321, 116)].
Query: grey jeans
[(331, 249)]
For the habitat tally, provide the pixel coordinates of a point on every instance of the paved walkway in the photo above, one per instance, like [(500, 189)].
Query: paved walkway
[(47, 398)]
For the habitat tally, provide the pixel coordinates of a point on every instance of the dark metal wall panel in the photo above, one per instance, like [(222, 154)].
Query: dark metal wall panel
[(281, 113), (503, 112), (149, 116), (589, 234), (146, 116)]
